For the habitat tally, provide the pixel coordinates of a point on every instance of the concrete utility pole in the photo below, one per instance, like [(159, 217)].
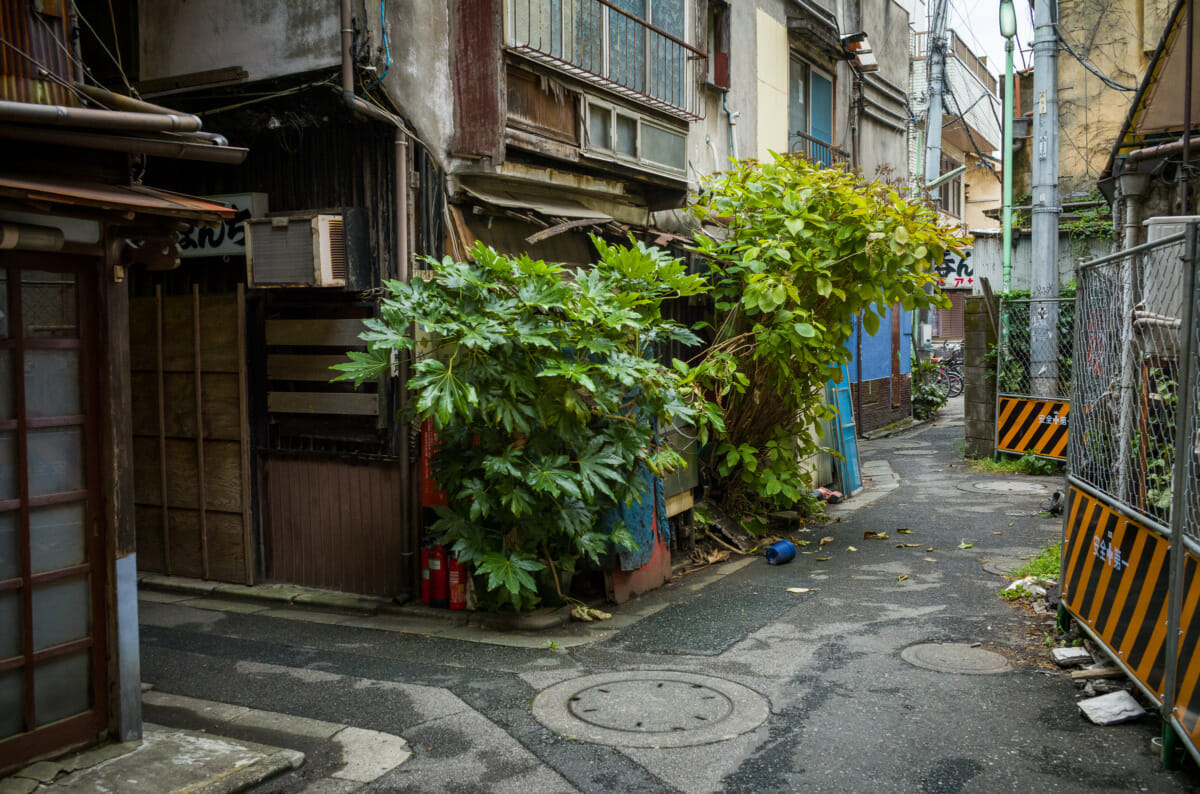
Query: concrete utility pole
[(937, 78), (1043, 316)]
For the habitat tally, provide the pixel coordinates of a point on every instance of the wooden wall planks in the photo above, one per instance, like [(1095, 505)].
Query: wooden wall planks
[(196, 450), (335, 524)]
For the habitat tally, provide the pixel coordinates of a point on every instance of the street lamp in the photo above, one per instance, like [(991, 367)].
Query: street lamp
[(1008, 29)]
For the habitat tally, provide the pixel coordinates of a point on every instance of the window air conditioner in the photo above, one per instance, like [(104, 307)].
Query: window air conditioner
[(296, 251)]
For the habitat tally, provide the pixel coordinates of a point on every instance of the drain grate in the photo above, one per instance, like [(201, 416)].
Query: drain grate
[(650, 709), (955, 657)]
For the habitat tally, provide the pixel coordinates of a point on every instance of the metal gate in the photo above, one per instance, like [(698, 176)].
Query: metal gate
[(1133, 475), (1033, 376)]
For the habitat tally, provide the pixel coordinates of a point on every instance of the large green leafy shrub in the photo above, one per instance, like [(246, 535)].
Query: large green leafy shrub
[(798, 251), (544, 393)]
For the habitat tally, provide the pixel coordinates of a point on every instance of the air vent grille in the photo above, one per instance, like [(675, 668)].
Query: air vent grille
[(337, 250)]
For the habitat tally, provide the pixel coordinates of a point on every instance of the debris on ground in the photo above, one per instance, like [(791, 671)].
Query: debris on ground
[(1099, 670), (1111, 708), (1053, 505), (828, 495), (1071, 657), (1029, 586), (725, 530)]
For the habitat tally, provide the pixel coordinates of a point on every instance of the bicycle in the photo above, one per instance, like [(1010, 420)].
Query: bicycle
[(948, 377)]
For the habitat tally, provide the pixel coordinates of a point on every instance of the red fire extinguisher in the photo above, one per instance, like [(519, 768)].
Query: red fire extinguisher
[(439, 583), (458, 583), (425, 575)]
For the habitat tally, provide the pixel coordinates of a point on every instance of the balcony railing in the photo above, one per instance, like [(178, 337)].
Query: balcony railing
[(816, 151), (959, 49), (972, 62), (601, 44)]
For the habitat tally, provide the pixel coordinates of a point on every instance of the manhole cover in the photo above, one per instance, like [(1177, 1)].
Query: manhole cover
[(1003, 566), (1003, 487), (650, 709), (955, 657)]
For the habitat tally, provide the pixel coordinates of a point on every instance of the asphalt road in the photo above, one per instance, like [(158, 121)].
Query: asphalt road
[(847, 713)]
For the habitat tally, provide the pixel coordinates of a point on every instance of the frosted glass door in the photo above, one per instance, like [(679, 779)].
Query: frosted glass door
[(51, 571)]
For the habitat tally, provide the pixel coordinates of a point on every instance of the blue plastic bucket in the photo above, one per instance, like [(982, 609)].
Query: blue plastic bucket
[(782, 552)]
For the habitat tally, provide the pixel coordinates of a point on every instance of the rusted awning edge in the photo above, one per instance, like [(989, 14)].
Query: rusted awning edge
[(138, 199)]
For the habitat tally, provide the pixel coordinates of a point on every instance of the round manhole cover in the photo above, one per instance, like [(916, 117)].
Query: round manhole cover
[(650, 709), (1004, 487), (955, 657), (1002, 566)]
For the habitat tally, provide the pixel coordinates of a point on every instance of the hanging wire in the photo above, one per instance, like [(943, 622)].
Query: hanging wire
[(1087, 64), (387, 51), (116, 61)]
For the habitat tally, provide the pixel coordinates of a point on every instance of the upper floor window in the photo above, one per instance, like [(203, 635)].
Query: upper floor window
[(810, 113), (636, 48), (950, 192)]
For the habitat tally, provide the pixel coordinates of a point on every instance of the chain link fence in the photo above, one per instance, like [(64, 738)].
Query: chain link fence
[(1126, 393), (1031, 359), (1131, 531)]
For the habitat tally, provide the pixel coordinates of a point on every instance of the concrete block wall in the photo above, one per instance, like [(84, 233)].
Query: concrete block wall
[(979, 395)]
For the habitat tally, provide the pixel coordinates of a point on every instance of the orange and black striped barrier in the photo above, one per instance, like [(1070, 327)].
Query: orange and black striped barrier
[(1032, 425), (1115, 579), (1187, 671)]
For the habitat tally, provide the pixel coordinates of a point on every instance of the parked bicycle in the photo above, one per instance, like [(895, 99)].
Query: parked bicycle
[(949, 376)]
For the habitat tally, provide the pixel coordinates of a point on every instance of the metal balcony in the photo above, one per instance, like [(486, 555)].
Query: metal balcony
[(599, 43), (816, 151)]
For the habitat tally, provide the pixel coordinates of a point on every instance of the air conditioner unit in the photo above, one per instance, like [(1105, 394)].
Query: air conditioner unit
[(305, 250)]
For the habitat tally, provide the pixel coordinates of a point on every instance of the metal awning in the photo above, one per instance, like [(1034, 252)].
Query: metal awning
[(554, 207), (127, 200)]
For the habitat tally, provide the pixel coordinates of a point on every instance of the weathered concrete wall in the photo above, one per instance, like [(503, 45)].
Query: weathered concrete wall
[(979, 395), (983, 191), (709, 147), (420, 76), (265, 37), (1118, 37), (883, 145), (987, 257)]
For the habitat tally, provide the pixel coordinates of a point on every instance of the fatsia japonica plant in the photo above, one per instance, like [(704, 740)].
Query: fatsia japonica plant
[(543, 386), (798, 251)]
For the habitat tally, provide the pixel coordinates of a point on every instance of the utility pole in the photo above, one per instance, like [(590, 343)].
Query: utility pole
[(937, 79), (1043, 315)]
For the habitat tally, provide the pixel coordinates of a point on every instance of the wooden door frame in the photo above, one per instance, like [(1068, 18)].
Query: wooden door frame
[(84, 727)]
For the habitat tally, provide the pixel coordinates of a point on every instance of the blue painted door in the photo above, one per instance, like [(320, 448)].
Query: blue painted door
[(845, 439), (821, 107)]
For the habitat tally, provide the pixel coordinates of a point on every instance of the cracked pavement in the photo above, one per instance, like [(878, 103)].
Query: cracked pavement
[(847, 714)]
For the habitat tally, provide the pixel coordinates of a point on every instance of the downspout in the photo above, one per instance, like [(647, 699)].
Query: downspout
[(733, 122), (368, 111)]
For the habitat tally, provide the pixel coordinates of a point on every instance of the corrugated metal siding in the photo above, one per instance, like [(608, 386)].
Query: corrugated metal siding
[(336, 525), (478, 101), (34, 42)]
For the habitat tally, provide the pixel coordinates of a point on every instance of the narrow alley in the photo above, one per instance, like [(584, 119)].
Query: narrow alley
[(847, 710)]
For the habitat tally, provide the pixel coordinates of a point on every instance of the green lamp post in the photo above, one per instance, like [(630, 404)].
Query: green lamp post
[(1008, 29)]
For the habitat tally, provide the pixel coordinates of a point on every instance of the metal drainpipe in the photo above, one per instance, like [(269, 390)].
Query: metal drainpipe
[(1184, 201), (88, 118), (359, 106), (732, 117)]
